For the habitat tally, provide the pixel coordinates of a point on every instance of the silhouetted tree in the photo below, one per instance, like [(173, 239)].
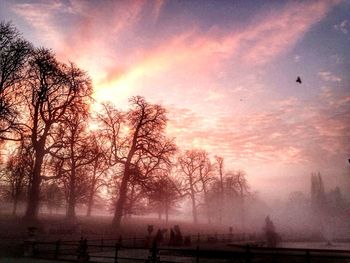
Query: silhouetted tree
[(163, 193), (190, 163), (220, 165), (136, 199), (96, 172), (136, 142), (53, 196), (76, 154), (237, 183), (17, 174), (318, 195), (14, 53), (206, 177), (50, 89), (231, 200)]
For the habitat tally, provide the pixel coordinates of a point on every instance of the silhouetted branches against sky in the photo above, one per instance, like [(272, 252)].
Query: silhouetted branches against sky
[(14, 54)]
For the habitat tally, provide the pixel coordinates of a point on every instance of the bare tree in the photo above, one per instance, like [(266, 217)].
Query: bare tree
[(220, 165), (14, 52), (164, 193), (75, 155), (237, 186), (51, 88), (190, 163), (137, 143), (17, 174), (206, 177), (231, 198), (96, 172), (53, 196)]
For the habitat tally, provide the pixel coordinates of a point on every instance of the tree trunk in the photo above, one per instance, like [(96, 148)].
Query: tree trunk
[(194, 210), (206, 200), (193, 199), (72, 197), (118, 214), (221, 192), (242, 212), (14, 208), (90, 204), (34, 191), (92, 192), (166, 213)]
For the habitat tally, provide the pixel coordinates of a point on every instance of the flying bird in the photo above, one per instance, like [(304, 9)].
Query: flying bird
[(298, 80)]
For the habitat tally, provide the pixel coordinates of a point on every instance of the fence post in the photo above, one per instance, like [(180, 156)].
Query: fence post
[(83, 250), (308, 259), (120, 240), (247, 254), (35, 249), (154, 253), (86, 253), (57, 248), (197, 254), (116, 253)]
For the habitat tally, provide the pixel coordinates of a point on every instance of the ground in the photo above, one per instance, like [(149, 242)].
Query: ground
[(26, 260), (14, 231)]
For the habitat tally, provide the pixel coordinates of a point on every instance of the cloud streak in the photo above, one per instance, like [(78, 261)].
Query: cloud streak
[(98, 35), (292, 133)]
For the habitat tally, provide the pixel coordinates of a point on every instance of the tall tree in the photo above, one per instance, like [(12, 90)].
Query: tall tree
[(206, 177), (136, 138), (75, 154), (14, 53), (51, 88), (237, 186), (220, 165), (231, 198), (17, 173), (53, 196), (190, 163), (164, 194), (96, 172)]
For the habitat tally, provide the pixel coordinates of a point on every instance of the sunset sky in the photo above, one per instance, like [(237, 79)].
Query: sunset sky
[(226, 72)]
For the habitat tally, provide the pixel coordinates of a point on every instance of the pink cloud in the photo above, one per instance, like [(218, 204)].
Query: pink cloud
[(40, 16), (329, 76), (158, 5), (99, 38), (194, 51), (280, 30), (293, 132)]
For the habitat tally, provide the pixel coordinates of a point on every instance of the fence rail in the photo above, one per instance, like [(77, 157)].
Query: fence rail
[(128, 250)]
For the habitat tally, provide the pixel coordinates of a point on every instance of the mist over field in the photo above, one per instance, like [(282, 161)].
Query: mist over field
[(173, 123)]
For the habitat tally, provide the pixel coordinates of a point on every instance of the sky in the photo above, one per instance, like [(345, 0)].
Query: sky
[(226, 72)]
